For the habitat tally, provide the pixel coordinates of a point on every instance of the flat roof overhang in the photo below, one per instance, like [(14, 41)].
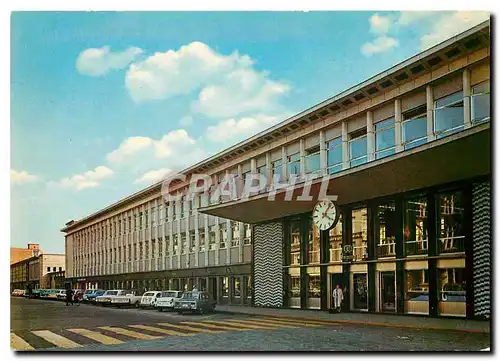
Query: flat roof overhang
[(457, 157)]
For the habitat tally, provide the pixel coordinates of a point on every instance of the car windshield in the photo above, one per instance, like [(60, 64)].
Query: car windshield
[(111, 293), (99, 293), (169, 294), (89, 291), (190, 295)]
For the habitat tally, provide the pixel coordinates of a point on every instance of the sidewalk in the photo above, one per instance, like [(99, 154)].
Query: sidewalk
[(366, 319)]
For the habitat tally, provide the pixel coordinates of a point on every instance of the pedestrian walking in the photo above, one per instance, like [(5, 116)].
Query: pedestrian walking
[(69, 296), (338, 297)]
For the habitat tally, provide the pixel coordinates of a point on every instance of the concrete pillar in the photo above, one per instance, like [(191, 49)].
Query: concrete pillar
[(217, 241), (253, 165), (345, 146), (370, 137), (398, 126), (241, 226), (467, 99), (229, 241), (207, 237), (322, 153), (196, 240), (302, 158), (429, 93)]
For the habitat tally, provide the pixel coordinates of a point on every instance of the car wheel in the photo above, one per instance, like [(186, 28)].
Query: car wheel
[(160, 309), (136, 305)]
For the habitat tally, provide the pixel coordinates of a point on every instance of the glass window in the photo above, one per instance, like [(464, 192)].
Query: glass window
[(359, 233), (293, 164), (417, 292), (248, 234), (160, 248), (480, 102), (386, 222), (385, 138), (176, 244), (415, 127), (452, 288), (223, 236), (201, 235), (312, 160), (262, 170), (235, 234), (211, 238), (184, 244), (225, 286), (451, 222), (248, 286), (360, 291), (277, 170), (192, 244), (294, 299), (185, 207), (334, 155), (313, 245), (358, 148), (449, 114), (336, 241), (295, 242), (415, 226), (314, 291), (236, 287)]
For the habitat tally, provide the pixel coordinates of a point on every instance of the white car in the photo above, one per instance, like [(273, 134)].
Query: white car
[(126, 298), (149, 299), (61, 294), (167, 300), (106, 298)]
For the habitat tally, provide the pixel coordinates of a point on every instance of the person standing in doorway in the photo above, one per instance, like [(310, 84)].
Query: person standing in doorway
[(338, 297)]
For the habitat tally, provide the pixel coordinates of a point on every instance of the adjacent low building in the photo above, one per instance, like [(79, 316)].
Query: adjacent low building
[(18, 254), (32, 272)]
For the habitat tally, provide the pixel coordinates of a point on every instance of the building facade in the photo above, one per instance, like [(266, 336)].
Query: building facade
[(407, 153), (18, 254), (32, 272)]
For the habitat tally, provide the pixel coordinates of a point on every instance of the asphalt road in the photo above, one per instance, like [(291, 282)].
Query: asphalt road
[(45, 325)]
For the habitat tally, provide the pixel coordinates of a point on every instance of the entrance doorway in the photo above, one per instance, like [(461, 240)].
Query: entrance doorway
[(212, 287), (338, 279), (387, 291), (360, 291)]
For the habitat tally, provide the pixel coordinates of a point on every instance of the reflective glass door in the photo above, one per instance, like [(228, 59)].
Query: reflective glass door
[(387, 292)]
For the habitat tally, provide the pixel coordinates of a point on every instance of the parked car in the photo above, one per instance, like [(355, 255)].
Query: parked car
[(35, 293), (167, 300), (17, 293), (61, 294), (200, 302), (149, 299), (126, 298), (52, 294), (90, 295)]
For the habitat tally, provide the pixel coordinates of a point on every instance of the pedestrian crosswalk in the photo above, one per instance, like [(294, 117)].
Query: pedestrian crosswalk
[(74, 338)]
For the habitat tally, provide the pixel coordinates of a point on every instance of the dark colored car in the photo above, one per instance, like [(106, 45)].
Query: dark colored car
[(199, 302), (90, 295)]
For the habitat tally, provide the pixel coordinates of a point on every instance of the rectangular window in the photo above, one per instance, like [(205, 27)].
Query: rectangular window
[(167, 246), (140, 220), (236, 287), (146, 218), (295, 242), (414, 127), (160, 248), (417, 292), (176, 244), (334, 155), (314, 291), (415, 226), (211, 238), (277, 170), (192, 243), (359, 233), (293, 164), (480, 103), (248, 234), (153, 216), (174, 210), (386, 223), (53, 269), (184, 243), (130, 252), (48, 269), (313, 245), (153, 248), (204, 199), (201, 235), (235, 234), (449, 114), (225, 286), (312, 160), (385, 138), (452, 292), (357, 148), (335, 235), (60, 269), (451, 222), (223, 237)]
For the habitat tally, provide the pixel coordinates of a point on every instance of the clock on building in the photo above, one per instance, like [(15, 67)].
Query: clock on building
[(325, 215)]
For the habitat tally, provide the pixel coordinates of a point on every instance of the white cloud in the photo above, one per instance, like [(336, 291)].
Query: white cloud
[(410, 17), (173, 143), (90, 179), (449, 25), (237, 129), (153, 176), (379, 24), (127, 147), (22, 177), (379, 45), (99, 61)]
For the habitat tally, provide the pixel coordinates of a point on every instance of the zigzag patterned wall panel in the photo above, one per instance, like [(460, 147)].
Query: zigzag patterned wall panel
[(267, 262), (481, 220)]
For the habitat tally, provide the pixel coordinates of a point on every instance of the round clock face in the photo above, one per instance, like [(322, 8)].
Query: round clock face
[(324, 215)]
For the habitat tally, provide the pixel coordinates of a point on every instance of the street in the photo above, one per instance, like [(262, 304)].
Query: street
[(51, 325)]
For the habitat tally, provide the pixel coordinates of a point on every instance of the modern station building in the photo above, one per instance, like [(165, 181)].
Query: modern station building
[(407, 153)]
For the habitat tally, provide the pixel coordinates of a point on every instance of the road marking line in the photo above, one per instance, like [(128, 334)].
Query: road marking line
[(297, 323), (18, 344), (317, 322), (162, 330), (236, 323), (96, 336), (264, 323), (217, 327), (58, 340), (122, 331), (187, 328)]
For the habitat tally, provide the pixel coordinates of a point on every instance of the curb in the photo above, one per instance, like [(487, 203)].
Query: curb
[(362, 323)]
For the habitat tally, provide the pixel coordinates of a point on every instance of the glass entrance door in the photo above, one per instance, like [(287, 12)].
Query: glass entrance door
[(387, 292), (360, 291)]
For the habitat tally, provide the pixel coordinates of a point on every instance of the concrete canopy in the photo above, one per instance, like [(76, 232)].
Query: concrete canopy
[(460, 156)]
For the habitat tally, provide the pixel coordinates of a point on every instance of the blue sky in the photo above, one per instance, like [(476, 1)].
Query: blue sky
[(103, 104)]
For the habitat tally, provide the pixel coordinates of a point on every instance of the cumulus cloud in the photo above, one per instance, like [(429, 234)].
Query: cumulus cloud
[(22, 177), (127, 147), (237, 129), (379, 24), (153, 176), (90, 179), (449, 25), (379, 45), (226, 85), (410, 17), (99, 61)]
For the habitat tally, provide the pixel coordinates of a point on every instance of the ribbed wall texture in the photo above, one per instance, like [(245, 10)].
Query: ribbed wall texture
[(267, 262), (481, 218)]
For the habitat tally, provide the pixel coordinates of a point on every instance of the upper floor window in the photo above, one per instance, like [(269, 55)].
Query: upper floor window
[(161, 209), (358, 147), (334, 155), (248, 234), (293, 164), (335, 235), (480, 102), (385, 229), (312, 160), (449, 114), (360, 233), (223, 237), (415, 226), (385, 138), (175, 244), (211, 238), (451, 222), (146, 218), (140, 220), (235, 234), (204, 199), (295, 242), (184, 243), (201, 235), (174, 210), (414, 127), (277, 170), (192, 242)]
